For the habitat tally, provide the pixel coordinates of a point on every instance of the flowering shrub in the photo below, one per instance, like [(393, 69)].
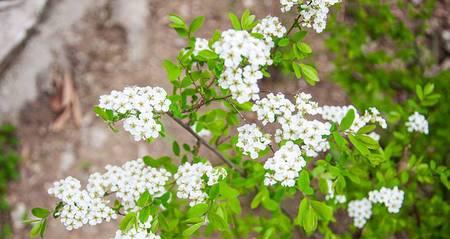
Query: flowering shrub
[(319, 156), (383, 57)]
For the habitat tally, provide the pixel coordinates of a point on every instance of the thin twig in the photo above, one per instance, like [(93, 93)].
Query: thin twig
[(237, 111), (203, 142), (294, 24)]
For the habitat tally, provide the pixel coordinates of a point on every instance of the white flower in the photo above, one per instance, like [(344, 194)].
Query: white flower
[(270, 27), (360, 211), (141, 106), (417, 123), (136, 233), (337, 198), (286, 5), (337, 113), (391, 198), (272, 107), (88, 206), (243, 55), (200, 45), (314, 12), (251, 140), (191, 183), (284, 167)]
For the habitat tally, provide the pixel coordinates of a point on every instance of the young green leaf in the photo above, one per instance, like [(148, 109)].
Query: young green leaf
[(192, 229), (196, 24), (234, 21), (197, 210), (309, 73), (176, 148), (40, 212), (172, 70), (127, 222), (348, 119), (362, 148), (144, 199)]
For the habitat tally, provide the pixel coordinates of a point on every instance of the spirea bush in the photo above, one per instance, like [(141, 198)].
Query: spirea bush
[(328, 160)]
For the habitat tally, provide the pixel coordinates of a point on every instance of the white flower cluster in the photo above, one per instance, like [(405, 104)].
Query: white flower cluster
[(130, 181), (337, 113), (80, 207), (294, 126), (417, 123), (270, 27), (391, 198), (284, 167), (360, 211), (251, 140), (272, 107), (286, 5), (141, 232), (244, 55), (314, 12), (200, 45), (88, 206), (139, 106), (191, 183), (337, 198)]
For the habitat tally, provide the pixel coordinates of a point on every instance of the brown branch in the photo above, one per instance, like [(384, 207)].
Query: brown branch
[(203, 142), (294, 24)]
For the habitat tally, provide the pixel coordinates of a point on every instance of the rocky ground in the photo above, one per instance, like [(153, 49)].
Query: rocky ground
[(89, 48)]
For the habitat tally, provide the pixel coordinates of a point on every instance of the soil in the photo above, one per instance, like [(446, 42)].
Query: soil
[(97, 51)]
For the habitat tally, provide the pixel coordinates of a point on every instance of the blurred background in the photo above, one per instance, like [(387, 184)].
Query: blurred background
[(58, 56)]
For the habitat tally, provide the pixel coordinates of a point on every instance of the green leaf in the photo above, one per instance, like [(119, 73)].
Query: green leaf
[(40, 212), (234, 21), (227, 191), (43, 228), (297, 70), (192, 229), (144, 214), (304, 183), (218, 221), (36, 230), (324, 211), (428, 89), (368, 141), (197, 210), (358, 145), (283, 42), (149, 161), (348, 119), (340, 141), (419, 92), (309, 73), (106, 115), (304, 48), (196, 24), (257, 199), (366, 129), (310, 221), (127, 222), (144, 199), (208, 55), (172, 70), (247, 20), (177, 20), (270, 204), (176, 148)]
